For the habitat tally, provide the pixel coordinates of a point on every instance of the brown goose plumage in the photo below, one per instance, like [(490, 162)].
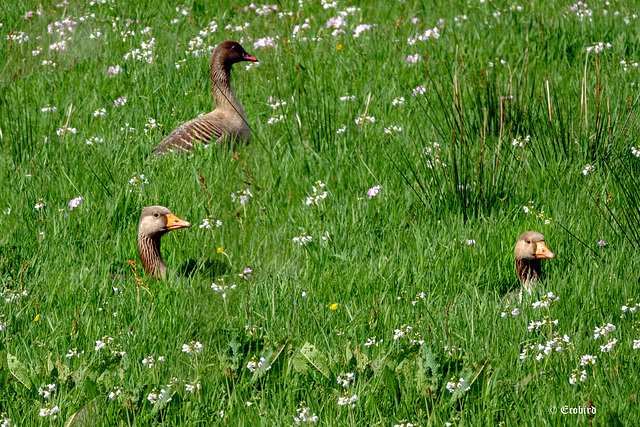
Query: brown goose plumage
[(155, 221), (228, 121), (529, 251)]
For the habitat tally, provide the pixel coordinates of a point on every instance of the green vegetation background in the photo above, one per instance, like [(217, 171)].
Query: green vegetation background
[(499, 72)]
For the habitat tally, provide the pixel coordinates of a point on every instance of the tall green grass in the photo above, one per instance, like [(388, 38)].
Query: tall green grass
[(406, 291)]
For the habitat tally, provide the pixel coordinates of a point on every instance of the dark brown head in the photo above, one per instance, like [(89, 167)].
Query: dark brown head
[(157, 220), (230, 52), (530, 246)]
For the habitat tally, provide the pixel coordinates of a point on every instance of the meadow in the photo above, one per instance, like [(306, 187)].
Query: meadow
[(350, 265)]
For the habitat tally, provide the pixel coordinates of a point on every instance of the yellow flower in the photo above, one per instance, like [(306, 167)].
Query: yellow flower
[(339, 47), (334, 306), (220, 250), (37, 318)]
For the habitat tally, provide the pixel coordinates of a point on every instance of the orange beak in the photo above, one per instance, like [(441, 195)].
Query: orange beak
[(543, 252), (248, 57), (175, 223)]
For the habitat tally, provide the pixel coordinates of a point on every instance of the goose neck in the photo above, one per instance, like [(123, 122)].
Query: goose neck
[(150, 256), (223, 94), (529, 272)]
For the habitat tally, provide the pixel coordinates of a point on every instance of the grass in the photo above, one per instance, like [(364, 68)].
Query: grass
[(397, 265)]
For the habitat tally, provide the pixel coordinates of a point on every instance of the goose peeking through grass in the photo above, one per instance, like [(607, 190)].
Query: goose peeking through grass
[(529, 252), (155, 221)]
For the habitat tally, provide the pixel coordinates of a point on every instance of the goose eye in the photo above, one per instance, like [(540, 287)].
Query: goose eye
[(156, 214)]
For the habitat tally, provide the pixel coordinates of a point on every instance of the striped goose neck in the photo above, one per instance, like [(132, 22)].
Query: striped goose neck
[(223, 94), (150, 256), (529, 272)]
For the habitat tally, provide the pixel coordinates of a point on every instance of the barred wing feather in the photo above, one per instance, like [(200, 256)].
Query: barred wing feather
[(187, 135)]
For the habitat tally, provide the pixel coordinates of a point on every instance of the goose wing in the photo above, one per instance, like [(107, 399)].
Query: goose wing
[(204, 129)]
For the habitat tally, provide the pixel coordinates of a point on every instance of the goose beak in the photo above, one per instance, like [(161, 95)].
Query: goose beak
[(542, 252), (248, 57), (175, 223)]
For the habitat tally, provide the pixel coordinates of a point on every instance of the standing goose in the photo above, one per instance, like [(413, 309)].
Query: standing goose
[(155, 221), (228, 121), (530, 250)]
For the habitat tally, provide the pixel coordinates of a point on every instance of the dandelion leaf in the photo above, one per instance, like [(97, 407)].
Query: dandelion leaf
[(316, 358), (425, 374), (236, 353), (19, 370), (431, 365)]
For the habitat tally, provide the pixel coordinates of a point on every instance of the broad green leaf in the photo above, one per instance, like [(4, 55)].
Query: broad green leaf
[(316, 358), (49, 364), (300, 363), (348, 354), (19, 370), (88, 415)]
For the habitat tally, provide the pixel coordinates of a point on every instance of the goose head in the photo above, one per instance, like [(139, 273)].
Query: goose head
[(530, 249), (154, 222), (228, 53)]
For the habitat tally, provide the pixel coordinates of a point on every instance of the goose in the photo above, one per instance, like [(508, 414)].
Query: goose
[(530, 250), (155, 221), (228, 122)]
